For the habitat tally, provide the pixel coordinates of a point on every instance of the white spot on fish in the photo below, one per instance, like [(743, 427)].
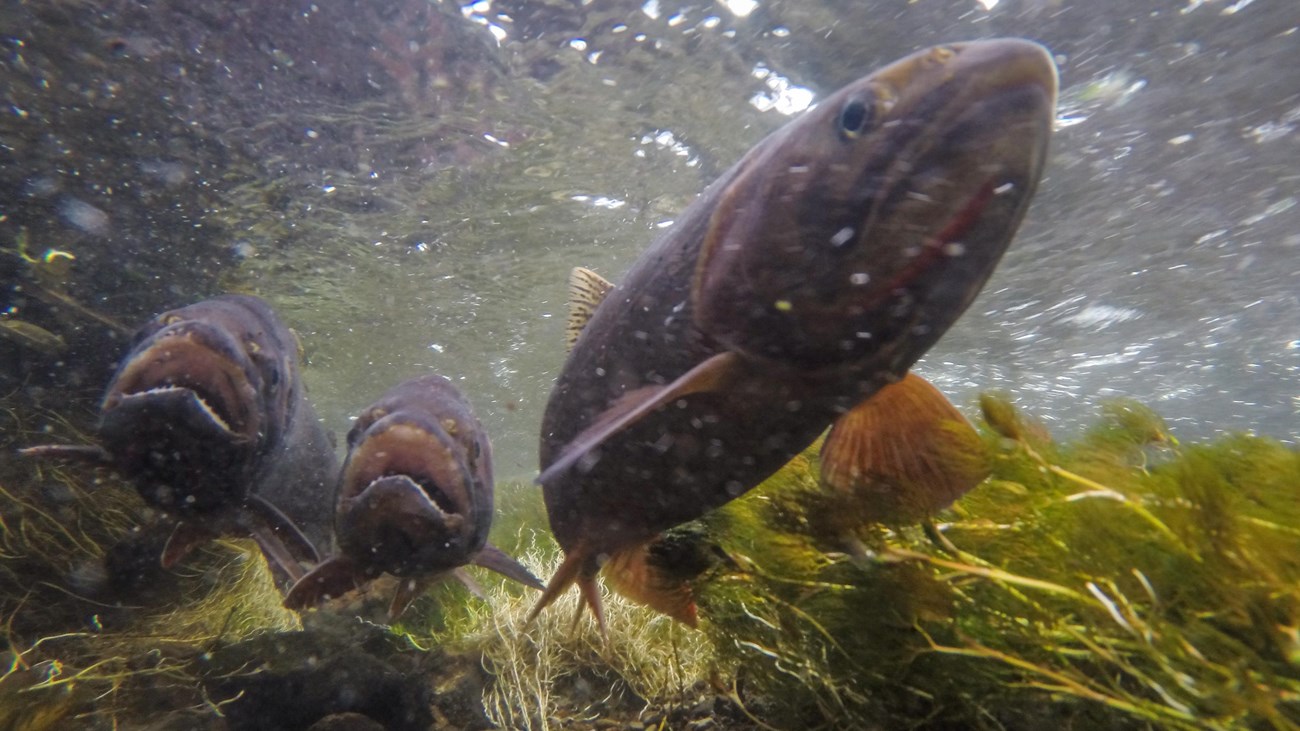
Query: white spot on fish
[(843, 236), (954, 248), (1004, 189), (859, 278)]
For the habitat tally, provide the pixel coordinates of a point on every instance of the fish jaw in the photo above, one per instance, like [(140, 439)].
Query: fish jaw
[(392, 525), (831, 249), (196, 367)]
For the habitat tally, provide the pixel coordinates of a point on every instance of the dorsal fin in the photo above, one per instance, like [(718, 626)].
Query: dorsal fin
[(587, 290)]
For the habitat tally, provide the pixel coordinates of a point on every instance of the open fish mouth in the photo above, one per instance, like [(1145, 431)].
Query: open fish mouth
[(197, 376), (395, 523), (395, 448)]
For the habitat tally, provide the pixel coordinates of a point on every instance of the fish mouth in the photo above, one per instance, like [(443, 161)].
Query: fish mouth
[(198, 374), (405, 504), (393, 525), (418, 453)]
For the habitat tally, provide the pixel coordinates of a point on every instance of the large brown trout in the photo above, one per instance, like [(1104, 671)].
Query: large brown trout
[(415, 498), (208, 417), (814, 272)]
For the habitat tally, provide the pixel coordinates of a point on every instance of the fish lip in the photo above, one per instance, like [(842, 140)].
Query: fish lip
[(1009, 61), (394, 525), (192, 408), (202, 360), (404, 445)]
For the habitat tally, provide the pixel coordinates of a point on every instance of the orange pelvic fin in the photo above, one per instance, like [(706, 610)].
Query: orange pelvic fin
[(334, 577), (633, 574), (903, 454)]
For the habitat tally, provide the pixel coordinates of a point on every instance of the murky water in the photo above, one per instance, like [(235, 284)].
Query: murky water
[(410, 185)]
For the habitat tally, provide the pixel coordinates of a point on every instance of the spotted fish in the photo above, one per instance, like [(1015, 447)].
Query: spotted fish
[(207, 415), (415, 498), (811, 274)]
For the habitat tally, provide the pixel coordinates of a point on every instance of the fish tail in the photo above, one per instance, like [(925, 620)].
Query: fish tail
[(574, 569), (631, 573)]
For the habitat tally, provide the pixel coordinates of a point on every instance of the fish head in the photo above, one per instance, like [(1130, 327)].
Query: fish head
[(863, 229), (204, 390), (413, 498)]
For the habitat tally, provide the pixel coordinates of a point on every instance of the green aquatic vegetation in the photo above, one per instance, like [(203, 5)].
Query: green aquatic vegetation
[(554, 670), (557, 669), (1121, 580), (93, 628), (1118, 580)]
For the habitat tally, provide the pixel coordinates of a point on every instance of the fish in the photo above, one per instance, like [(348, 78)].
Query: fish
[(31, 336), (815, 271), (207, 415), (415, 499)]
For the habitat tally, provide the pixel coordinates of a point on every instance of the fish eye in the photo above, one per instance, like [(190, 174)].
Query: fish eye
[(854, 118)]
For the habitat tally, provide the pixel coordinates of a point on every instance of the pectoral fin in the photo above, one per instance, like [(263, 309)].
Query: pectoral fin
[(333, 578), (284, 528), (903, 454), (713, 374), (78, 452), (184, 539), (470, 584), (495, 559)]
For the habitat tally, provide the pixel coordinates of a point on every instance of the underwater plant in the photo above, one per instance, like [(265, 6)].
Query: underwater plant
[(1121, 581), (1118, 580), (94, 629)]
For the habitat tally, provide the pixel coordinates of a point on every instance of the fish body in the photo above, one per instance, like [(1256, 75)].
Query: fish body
[(415, 499), (208, 416), (815, 271)]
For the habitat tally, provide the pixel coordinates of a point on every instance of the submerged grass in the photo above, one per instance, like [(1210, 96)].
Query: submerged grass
[(93, 628), (1122, 580), (557, 670)]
